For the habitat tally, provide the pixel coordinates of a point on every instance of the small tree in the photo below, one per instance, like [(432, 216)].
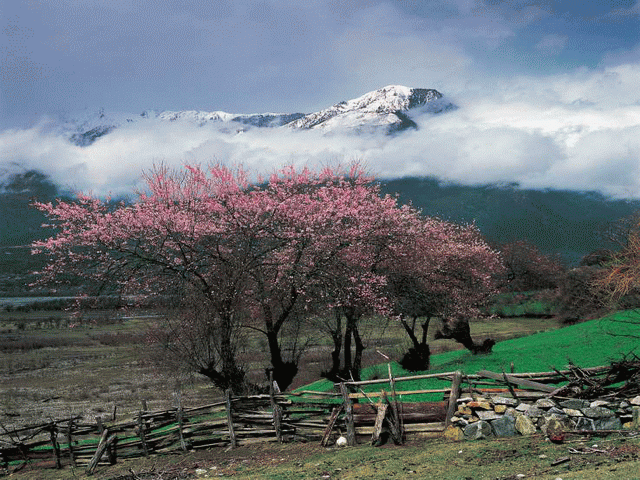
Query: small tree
[(527, 268), (440, 270)]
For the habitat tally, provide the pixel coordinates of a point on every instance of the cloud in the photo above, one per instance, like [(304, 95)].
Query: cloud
[(552, 44), (571, 131)]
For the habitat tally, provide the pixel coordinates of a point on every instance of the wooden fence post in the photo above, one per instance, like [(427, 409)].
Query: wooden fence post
[(53, 434), (275, 408), (105, 441), (232, 433), (111, 453), (72, 458), (395, 410), (348, 409), (453, 397), (141, 429)]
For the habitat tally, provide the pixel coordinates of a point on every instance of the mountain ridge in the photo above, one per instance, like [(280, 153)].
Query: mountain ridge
[(387, 109)]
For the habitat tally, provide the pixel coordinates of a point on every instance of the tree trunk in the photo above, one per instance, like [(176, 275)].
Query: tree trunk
[(352, 365), (283, 372), (336, 336), (459, 330), (418, 357)]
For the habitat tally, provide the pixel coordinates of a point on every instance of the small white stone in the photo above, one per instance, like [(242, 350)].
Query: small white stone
[(341, 442)]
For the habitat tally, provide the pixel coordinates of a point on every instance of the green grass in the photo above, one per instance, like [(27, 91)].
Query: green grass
[(588, 344)]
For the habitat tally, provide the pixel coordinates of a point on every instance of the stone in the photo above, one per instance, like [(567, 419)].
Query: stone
[(453, 434), (487, 415), (524, 425), (573, 413), (534, 412), (545, 403), (575, 404), (478, 430), (504, 426), (557, 411), (523, 407), (554, 429), (464, 400), (472, 419), (599, 403), (464, 410), (584, 423), (608, 423), (480, 405), (597, 412), (636, 417), (500, 408), (635, 401), (511, 402)]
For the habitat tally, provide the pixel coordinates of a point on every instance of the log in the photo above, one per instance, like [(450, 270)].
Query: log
[(332, 421), (377, 427), (232, 434), (105, 441), (453, 397), (517, 380), (348, 409)]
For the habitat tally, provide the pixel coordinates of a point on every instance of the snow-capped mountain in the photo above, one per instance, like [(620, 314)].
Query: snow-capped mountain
[(387, 110), (387, 107)]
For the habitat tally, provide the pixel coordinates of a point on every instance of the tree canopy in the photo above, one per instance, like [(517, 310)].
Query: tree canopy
[(264, 255)]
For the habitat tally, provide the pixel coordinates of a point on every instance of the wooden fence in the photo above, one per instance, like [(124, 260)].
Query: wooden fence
[(310, 416)]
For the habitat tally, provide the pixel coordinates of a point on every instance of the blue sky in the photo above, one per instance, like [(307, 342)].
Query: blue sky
[(252, 56), (548, 90)]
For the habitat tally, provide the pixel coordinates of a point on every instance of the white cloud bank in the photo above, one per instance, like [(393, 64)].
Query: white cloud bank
[(573, 131)]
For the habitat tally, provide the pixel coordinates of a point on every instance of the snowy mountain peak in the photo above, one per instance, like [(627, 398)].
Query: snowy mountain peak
[(384, 107)]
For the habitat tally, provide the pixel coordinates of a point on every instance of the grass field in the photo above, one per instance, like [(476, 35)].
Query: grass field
[(588, 344), (48, 370)]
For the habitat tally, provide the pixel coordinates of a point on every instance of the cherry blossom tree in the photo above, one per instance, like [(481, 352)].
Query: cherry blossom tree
[(441, 270), (257, 255)]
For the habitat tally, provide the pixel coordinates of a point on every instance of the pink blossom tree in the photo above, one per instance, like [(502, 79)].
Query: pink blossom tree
[(257, 256), (441, 270)]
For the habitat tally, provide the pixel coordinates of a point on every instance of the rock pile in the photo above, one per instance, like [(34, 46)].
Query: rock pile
[(485, 416)]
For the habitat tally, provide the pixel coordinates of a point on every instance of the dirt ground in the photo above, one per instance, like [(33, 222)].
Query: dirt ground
[(498, 459)]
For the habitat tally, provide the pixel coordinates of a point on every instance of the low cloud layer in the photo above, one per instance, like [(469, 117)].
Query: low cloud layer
[(572, 131)]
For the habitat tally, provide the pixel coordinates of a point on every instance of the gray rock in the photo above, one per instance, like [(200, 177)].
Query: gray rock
[(584, 423), (545, 403), (573, 413), (599, 403), (478, 430), (487, 415), (575, 404), (610, 423), (597, 412), (635, 400), (557, 411), (511, 402), (534, 412), (504, 426), (523, 407)]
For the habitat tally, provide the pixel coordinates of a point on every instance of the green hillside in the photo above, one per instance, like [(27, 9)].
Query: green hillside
[(589, 344)]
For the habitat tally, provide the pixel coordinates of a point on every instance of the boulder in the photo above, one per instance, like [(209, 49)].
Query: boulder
[(478, 430), (505, 426)]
